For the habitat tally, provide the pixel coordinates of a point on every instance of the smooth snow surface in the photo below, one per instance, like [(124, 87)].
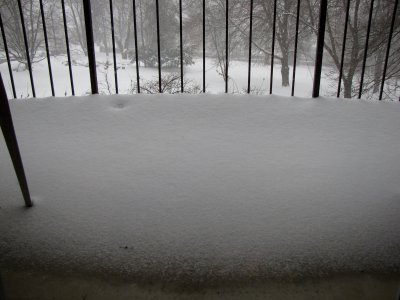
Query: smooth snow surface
[(204, 187)]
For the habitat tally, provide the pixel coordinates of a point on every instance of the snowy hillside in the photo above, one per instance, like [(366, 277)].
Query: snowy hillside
[(207, 186)]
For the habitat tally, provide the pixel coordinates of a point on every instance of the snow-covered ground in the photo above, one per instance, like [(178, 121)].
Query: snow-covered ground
[(238, 76), (204, 187), (127, 76)]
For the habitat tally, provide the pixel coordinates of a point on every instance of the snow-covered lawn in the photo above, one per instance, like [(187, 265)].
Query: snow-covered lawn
[(205, 187), (127, 76)]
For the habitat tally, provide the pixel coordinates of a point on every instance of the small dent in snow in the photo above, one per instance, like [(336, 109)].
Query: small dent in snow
[(119, 104)]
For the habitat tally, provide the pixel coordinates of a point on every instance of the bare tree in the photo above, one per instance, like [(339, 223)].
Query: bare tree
[(358, 19), (263, 24), (216, 11), (123, 19), (13, 28), (76, 24)]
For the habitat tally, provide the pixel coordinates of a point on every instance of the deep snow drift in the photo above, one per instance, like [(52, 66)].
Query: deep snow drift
[(204, 187)]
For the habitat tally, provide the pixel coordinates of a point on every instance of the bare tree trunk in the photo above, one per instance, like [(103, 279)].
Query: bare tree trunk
[(105, 40), (347, 84), (53, 29), (283, 40), (141, 23), (77, 17), (378, 71), (128, 37), (285, 69)]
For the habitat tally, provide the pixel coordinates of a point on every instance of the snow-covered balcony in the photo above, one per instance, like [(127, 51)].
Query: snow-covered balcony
[(206, 196)]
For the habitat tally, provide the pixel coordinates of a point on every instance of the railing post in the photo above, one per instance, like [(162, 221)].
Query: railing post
[(136, 47), (71, 77), (3, 33), (181, 43), (47, 46), (320, 48), (271, 79), (28, 59), (87, 11), (113, 47), (204, 46), (388, 49), (296, 42), (7, 127), (158, 47), (371, 9), (346, 21), (250, 41), (226, 45)]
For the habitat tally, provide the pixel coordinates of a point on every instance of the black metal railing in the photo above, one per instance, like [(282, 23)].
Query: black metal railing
[(346, 23), (47, 47), (3, 34), (371, 10), (136, 47), (21, 14), (87, 10), (6, 120), (389, 42), (204, 46), (92, 60), (7, 127), (320, 48), (296, 43), (71, 77)]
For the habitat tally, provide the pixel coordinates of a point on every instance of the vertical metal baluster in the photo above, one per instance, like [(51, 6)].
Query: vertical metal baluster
[(113, 47), (158, 48), (250, 41), (47, 47), (273, 49), (346, 21), (204, 46), (226, 45), (26, 48), (7, 127), (366, 48), (296, 39), (87, 11), (388, 48), (181, 42), (320, 48), (136, 47), (3, 33), (71, 78)]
